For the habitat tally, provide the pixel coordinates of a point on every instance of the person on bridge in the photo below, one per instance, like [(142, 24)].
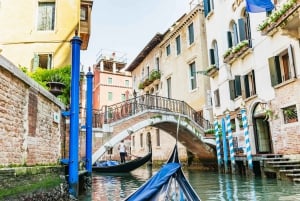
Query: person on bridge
[(122, 150)]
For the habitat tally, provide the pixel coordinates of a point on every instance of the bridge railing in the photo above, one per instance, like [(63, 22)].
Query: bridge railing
[(118, 111)]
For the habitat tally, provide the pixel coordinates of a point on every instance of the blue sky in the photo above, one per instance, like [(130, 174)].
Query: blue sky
[(128, 25)]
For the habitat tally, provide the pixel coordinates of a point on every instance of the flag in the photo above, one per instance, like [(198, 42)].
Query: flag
[(258, 6)]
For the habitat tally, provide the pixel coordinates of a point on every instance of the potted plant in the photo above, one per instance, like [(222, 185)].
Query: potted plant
[(56, 85), (154, 76), (290, 115), (141, 85)]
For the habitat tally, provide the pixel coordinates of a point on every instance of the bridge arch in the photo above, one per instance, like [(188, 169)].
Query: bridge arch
[(190, 133)]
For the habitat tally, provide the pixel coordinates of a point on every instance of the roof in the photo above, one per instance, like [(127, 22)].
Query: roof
[(148, 48)]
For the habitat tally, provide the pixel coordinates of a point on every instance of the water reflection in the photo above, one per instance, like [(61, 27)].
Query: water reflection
[(209, 186)]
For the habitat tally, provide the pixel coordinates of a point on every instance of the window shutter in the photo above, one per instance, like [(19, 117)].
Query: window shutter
[(291, 62), (206, 7), (254, 85), (274, 67), (36, 61), (212, 56), (237, 85), (247, 89), (231, 89), (229, 39), (242, 29)]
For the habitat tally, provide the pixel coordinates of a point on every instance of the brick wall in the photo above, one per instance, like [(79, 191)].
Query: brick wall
[(286, 137), (28, 133)]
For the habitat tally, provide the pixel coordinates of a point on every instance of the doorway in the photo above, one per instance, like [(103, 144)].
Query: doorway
[(261, 131)]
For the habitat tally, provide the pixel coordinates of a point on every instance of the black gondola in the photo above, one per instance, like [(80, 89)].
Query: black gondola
[(124, 167)]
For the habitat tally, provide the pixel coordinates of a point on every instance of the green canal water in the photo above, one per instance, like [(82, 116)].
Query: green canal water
[(208, 185)]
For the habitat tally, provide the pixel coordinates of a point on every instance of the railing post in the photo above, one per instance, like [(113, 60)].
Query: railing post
[(134, 102), (182, 107), (105, 114)]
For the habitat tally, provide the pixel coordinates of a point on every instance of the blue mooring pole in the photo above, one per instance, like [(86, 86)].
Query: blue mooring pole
[(89, 120), (74, 117), (225, 151)]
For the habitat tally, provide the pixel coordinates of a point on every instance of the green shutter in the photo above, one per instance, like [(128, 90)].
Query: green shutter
[(254, 85), (206, 7), (231, 89), (274, 67), (212, 56), (229, 39), (246, 84), (242, 29), (237, 85)]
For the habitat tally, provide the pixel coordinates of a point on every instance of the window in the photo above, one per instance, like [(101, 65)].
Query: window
[(217, 98), (110, 96), (169, 88), (126, 83), (83, 13), (141, 140), (133, 141), (168, 50), (109, 80), (157, 63), (191, 33), (247, 28), (233, 38), (157, 138), (249, 85), (42, 61), (235, 87), (46, 16), (178, 45), (290, 114), (193, 81), (282, 67), (208, 6), (244, 86), (214, 55), (123, 97)]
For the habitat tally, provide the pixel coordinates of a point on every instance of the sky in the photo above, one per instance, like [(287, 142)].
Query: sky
[(126, 26)]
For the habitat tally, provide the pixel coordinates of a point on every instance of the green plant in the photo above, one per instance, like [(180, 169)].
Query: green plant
[(240, 46), (61, 74), (227, 52), (154, 75), (141, 85), (147, 82), (276, 15), (209, 131)]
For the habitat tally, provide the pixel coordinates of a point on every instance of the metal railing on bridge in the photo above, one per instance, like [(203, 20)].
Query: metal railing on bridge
[(118, 111)]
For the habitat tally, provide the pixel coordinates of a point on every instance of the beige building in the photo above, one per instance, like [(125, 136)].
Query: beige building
[(256, 64), (38, 33), (179, 56)]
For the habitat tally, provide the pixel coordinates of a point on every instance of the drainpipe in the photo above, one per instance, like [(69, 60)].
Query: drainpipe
[(74, 117), (89, 121)]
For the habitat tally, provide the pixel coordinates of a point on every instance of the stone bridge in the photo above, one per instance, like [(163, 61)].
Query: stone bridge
[(116, 122)]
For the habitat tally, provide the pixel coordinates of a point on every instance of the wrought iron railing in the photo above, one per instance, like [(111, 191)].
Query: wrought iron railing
[(118, 111)]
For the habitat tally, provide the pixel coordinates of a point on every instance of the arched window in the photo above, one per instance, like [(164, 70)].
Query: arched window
[(214, 55)]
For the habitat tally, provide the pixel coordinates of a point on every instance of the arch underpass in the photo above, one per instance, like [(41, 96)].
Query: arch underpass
[(120, 120)]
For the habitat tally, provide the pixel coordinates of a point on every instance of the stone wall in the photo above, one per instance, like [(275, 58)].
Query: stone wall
[(31, 126)]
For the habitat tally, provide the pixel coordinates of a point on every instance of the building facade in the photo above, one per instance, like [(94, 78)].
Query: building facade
[(254, 63), (38, 33), (179, 55)]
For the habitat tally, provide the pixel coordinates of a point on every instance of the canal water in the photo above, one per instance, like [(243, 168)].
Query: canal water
[(208, 185)]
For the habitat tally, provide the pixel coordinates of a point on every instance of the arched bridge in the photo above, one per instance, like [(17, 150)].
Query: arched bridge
[(118, 121)]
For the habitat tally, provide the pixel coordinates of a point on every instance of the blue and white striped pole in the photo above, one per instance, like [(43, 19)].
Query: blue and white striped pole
[(228, 126), (216, 125), (246, 133), (225, 149)]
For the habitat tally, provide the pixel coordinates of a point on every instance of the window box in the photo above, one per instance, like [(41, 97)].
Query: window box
[(212, 70), (237, 51), (279, 17)]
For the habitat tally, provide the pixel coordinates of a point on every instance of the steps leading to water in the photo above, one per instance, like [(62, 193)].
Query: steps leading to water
[(284, 167)]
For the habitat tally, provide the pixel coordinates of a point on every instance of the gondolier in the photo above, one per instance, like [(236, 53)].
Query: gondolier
[(122, 150)]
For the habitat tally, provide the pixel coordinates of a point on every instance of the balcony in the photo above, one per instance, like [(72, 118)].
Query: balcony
[(149, 82), (238, 51), (85, 22), (286, 19)]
